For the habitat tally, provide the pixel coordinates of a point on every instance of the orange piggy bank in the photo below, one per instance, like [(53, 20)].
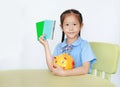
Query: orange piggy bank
[(64, 60)]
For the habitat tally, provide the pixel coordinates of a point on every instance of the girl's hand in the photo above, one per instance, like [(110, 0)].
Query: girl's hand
[(58, 71), (43, 41)]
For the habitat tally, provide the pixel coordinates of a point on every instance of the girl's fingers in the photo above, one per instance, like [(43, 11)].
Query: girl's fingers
[(43, 37)]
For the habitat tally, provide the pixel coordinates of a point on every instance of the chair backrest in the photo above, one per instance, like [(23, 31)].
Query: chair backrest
[(107, 59)]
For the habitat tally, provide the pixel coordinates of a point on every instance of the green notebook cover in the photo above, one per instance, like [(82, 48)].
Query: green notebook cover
[(46, 28)]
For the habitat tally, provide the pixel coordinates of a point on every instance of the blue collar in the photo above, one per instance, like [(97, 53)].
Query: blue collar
[(77, 42)]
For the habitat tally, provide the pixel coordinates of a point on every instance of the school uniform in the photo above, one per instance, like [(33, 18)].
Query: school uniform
[(80, 51)]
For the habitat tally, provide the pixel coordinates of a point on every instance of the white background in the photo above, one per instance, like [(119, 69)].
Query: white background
[(19, 48)]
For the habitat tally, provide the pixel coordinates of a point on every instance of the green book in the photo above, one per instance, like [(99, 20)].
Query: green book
[(45, 28)]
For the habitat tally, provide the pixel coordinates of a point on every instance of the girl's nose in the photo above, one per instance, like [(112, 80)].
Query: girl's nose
[(71, 27)]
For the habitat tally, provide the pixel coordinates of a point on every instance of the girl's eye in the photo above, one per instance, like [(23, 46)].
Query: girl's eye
[(74, 24), (67, 24)]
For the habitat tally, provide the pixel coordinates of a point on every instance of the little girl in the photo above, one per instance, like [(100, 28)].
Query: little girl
[(80, 50)]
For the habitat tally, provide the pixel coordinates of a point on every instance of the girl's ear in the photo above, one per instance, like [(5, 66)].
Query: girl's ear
[(81, 26), (61, 27)]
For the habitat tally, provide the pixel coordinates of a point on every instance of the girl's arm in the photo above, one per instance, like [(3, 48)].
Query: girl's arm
[(47, 52), (76, 71)]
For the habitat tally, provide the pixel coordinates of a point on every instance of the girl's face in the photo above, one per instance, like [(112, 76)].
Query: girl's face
[(71, 26)]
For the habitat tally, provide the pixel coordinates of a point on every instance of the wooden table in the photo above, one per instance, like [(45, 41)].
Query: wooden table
[(43, 78)]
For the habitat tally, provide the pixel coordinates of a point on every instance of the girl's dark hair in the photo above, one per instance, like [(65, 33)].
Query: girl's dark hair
[(69, 11)]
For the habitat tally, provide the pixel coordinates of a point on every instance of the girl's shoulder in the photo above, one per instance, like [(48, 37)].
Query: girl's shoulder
[(59, 45), (84, 43)]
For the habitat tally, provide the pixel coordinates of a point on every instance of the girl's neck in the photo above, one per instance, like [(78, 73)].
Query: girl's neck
[(71, 40)]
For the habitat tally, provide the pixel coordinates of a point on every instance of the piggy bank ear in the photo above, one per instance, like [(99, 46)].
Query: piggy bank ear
[(73, 63), (65, 58), (55, 60), (55, 57)]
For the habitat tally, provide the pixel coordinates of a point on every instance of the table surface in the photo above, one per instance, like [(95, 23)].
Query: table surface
[(43, 78)]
